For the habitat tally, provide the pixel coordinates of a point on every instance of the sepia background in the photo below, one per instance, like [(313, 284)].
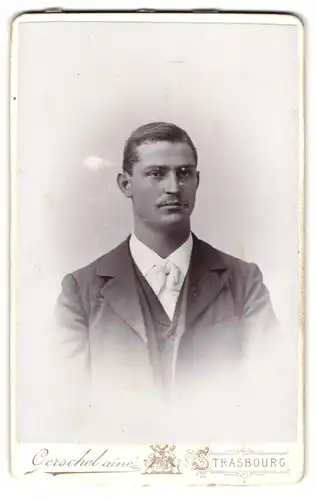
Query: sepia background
[(82, 88)]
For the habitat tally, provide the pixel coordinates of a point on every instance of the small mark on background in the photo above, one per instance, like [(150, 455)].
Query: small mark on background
[(49, 200), (96, 163), (241, 252)]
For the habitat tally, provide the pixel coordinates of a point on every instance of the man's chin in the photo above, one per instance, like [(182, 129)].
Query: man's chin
[(173, 218)]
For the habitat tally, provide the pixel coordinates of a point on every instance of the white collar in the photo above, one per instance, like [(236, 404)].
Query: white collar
[(145, 258)]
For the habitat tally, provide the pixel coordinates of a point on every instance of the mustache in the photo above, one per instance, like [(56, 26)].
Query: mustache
[(172, 201)]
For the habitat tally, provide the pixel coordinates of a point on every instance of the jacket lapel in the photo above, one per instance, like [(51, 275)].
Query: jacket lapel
[(120, 288), (207, 276)]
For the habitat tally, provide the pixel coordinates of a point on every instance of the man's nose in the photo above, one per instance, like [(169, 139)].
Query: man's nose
[(172, 183)]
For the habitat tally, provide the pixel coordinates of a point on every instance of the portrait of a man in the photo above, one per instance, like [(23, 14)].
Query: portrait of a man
[(157, 313), (156, 220)]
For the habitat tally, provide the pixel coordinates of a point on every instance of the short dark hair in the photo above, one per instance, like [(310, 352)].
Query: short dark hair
[(153, 132)]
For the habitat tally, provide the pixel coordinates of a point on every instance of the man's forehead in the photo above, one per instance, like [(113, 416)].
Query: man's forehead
[(165, 153)]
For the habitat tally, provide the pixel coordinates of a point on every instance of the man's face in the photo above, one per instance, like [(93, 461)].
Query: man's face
[(163, 183)]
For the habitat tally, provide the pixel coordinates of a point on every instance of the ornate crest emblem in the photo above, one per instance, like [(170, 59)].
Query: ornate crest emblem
[(162, 461)]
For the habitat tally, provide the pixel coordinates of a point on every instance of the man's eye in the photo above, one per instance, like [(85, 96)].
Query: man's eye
[(184, 172), (156, 173)]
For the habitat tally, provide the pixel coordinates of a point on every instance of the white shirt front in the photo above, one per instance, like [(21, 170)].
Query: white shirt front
[(150, 263)]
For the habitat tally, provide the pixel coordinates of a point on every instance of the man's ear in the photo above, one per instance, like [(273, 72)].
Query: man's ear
[(197, 178), (124, 183)]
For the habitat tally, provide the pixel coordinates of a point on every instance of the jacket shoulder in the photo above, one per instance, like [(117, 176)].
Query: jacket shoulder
[(236, 264), (244, 279), (233, 264), (84, 276)]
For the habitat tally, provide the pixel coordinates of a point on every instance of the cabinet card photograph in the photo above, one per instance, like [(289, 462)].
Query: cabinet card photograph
[(157, 166)]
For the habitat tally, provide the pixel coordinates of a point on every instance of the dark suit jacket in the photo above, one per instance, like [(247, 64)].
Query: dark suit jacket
[(104, 336)]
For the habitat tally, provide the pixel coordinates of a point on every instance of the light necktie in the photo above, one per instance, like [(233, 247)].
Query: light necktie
[(168, 286)]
